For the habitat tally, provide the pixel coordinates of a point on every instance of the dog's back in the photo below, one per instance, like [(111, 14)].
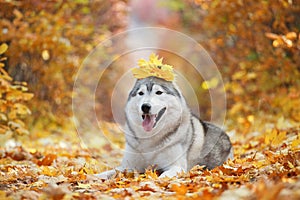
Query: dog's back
[(216, 148)]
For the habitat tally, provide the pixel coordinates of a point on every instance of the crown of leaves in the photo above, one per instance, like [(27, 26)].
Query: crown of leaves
[(153, 67)]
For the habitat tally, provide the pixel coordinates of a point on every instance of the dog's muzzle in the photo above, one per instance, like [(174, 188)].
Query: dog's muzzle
[(150, 120), (146, 108)]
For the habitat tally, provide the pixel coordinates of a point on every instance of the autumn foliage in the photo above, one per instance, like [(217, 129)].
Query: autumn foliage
[(47, 44), (13, 98), (256, 46), (267, 167)]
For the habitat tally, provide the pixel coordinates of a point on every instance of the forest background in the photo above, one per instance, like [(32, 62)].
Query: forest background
[(255, 44)]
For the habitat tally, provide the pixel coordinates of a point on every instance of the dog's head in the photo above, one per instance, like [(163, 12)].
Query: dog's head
[(154, 104)]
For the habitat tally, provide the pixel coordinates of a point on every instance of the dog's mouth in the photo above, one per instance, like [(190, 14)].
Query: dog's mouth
[(150, 121)]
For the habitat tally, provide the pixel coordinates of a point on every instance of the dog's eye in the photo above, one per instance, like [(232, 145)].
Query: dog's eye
[(141, 93), (158, 92)]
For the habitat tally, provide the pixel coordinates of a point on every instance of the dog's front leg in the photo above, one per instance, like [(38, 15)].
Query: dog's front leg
[(107, 174), (172, 171), (110, 173)]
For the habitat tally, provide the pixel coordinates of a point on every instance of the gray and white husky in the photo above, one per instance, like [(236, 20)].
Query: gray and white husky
[(160, 131)]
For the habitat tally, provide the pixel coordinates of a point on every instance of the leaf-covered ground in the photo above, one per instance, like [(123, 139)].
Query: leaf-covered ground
[(266, 166)]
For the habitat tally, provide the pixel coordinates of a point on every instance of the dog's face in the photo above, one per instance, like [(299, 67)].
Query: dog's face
[(153, 104)]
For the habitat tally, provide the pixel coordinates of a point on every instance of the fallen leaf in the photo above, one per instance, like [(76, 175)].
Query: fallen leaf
[(47, 160), (180, 189), (3, 48)]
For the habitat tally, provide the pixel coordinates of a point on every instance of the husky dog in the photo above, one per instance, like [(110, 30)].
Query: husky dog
[(160, 131)]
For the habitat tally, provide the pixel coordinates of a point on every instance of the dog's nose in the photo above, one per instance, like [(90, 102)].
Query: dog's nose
[(146, 107)]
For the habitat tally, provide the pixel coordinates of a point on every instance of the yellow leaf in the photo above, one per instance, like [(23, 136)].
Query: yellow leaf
[(18, 95), (45, 55), (49, 170), (3, 48), (212, 83), (251, 75), (22, 109), (250, 118), (271, 134), (151, 174), (3, 195), (291, 35), (142, 62), (239, 75), (20, 87), (3, 117), (22, 131), (14, 125), (291, 165), (3, 59), (4, 129), (279, 138), (83, 186), (18, 14), (296, 143), (27, 96), (85, 170), (22, 124), (259, 164), (274, 137), (153, 67), (5, 75), (277, 43)]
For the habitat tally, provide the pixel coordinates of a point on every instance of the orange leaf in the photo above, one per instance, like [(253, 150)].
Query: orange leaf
[(48, 160), (179, 189)]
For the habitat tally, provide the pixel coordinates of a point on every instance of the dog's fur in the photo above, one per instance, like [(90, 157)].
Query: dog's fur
[(167, 135)]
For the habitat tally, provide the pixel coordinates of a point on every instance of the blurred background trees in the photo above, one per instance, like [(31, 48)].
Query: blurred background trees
[(13, 98), (47, 42), (255, 44)]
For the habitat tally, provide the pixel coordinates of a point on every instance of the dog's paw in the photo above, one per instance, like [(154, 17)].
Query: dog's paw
[(173, 171), (106, 175)]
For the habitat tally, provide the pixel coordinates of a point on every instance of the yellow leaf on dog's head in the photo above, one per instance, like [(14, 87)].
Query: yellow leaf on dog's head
[(153, 67)]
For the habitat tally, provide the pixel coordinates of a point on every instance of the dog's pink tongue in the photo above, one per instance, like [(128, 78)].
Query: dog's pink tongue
[(148, 122)]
